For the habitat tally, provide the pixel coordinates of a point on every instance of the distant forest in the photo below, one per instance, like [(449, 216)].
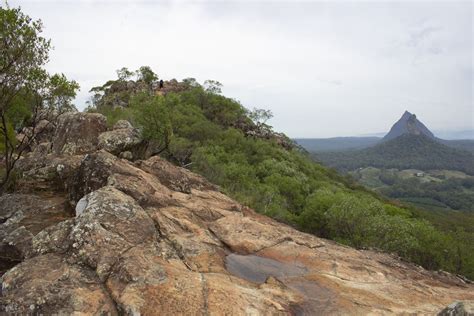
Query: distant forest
[(404, 152), (336, 143)]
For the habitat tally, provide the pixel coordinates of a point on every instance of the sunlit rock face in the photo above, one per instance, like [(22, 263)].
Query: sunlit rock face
[(108, 236)]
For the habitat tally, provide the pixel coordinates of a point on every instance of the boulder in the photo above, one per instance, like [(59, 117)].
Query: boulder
[(458, 309), (126, 155), (91, 175), (175, 178), (121, 124), (46, 172), (44, 131), (119, 140), (22, 216), (48, 285), (102, 168), (41, 149), (77, 133), (108, 223)]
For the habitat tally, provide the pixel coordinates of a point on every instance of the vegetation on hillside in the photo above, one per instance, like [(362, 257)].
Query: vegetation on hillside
[(404, 152), (195, 126), (462, 144), (29, 93), (444, 190)]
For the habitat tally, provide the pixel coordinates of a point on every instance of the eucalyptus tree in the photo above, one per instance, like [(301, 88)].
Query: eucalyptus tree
[(28, 93)]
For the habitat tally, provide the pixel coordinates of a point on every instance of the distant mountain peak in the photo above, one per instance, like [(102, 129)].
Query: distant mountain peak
[(406, 114), (408, 124)]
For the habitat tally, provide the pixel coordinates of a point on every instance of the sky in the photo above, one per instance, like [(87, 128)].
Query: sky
[(325, 69)]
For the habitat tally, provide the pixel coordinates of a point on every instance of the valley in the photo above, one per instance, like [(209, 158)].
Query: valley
[(441, 190)]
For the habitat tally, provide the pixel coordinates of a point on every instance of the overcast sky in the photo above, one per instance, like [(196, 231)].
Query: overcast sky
[(324, 68)]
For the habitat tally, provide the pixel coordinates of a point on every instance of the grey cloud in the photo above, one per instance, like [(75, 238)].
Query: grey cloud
[(419, 36), (323, 68)]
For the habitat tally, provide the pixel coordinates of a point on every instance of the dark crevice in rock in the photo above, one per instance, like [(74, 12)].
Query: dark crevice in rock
[(6, 263), (281, 241), (212, 215), (179, 252), (205, 294), (227, 247), (117, 305)]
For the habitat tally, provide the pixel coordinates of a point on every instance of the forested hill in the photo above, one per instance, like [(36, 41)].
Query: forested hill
[(407, 151)]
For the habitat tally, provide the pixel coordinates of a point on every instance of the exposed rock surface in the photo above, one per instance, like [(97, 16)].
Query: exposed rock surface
[(21, 218), (120, 140), (54, 287), (151, 238), (458, 309), (78, 133), (121, 124)]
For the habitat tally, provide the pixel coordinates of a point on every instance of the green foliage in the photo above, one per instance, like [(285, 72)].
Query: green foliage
[(10, 134), (206, 132), (61, 93), (124, 74), (145, 74), (28, 92), (213, 86), (153, 115), (260, 116), (23, 51), (432, 190)]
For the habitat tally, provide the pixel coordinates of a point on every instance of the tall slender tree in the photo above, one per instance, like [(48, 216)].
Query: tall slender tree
[(25, 86)]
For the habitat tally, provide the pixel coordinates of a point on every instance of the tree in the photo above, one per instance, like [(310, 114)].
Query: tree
[(260, 116), (213, 86), (60, 93), (124, 74), (145, 74), (191, 82), (27, 93), (153, 116)]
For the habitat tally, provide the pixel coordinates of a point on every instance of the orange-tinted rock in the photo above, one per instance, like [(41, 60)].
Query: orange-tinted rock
[(151, 238), (47, 284)]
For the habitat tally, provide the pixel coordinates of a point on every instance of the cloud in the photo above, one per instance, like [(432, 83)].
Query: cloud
[(419, 36), (323, 68)]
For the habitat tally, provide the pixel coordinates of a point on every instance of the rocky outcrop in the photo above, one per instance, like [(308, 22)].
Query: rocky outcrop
[(108, 223), (78, 133), (23, 216), (148, 237), (122, 124), (44, 172), (54, 286), (458, 309), (121, 139)]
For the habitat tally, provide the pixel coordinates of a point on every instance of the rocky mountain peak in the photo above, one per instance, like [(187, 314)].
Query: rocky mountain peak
[(408, 124)]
